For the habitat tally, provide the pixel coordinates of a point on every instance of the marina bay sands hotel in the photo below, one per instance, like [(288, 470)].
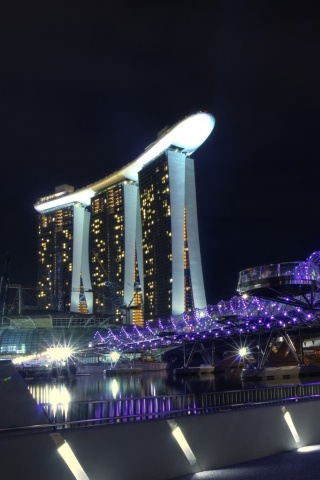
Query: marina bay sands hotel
[(127, 244)]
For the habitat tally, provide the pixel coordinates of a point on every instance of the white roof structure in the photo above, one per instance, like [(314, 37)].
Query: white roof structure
[(187, 135)]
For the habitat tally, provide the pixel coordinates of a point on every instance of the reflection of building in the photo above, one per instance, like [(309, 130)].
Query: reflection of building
[(128, 244)]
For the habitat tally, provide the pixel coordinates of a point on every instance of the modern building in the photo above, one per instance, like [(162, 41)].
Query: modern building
[(173, 280), (128, 245)]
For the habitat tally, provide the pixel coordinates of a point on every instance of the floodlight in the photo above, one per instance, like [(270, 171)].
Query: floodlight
[(180, 438), (69, 457), (290, 424), (309, 448)]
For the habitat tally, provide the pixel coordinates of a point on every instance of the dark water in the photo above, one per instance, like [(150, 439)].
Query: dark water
[(147, 384), (101, 387)]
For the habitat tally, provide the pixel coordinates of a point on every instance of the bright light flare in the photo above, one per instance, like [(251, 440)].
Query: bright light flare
[(240, 352), (59, 353), (243, 351)]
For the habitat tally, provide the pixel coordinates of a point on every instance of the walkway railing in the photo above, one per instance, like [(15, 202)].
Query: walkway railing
[(295, 272), (99, 412)]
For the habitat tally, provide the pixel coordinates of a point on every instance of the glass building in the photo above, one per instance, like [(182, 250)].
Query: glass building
[(128, 245), (34, 341)]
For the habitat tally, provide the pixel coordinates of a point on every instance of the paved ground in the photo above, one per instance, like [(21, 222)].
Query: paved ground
[(293, 465)]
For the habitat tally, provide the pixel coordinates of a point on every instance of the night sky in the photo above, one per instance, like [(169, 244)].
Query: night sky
[(85, 87)]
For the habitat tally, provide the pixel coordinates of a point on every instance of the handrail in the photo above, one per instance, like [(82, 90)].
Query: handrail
[(94, 422), (102, 412), (298, 272)]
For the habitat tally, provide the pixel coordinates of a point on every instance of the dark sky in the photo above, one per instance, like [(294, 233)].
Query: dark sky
[(85, 87)]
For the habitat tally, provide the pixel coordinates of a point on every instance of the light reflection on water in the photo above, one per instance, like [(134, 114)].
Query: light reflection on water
[(147, 384), (100, 398)]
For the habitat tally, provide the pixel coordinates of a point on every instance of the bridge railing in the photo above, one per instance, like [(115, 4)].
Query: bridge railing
[(294, 271), (98, 412)]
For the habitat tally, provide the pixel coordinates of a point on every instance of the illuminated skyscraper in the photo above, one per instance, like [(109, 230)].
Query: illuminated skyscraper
[(63, 267), (173, 281), (128, 244), (114, 272)]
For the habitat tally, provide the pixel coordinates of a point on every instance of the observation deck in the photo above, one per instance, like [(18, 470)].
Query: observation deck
[(281, 281), (187, 135)]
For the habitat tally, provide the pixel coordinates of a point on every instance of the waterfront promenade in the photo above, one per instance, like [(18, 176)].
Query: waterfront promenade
[(223, 443), (293, 465)]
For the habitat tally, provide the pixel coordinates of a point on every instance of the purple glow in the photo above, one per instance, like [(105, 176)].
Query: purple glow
[(246, 314)]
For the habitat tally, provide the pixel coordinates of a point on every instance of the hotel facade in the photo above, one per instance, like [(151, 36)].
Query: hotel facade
[(127, 245)]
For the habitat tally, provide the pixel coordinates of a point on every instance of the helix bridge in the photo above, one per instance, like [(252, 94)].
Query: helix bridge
[(275, 299)]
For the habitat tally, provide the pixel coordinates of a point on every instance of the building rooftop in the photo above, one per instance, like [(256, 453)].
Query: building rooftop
[(187, 135)]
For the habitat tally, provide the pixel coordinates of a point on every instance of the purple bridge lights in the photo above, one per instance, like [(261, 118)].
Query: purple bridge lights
[(284, 296)]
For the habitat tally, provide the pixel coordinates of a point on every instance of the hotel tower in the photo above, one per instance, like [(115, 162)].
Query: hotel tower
[(127, 245)]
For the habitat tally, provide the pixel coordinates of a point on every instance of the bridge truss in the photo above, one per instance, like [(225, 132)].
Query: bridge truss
[(274, 300)]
